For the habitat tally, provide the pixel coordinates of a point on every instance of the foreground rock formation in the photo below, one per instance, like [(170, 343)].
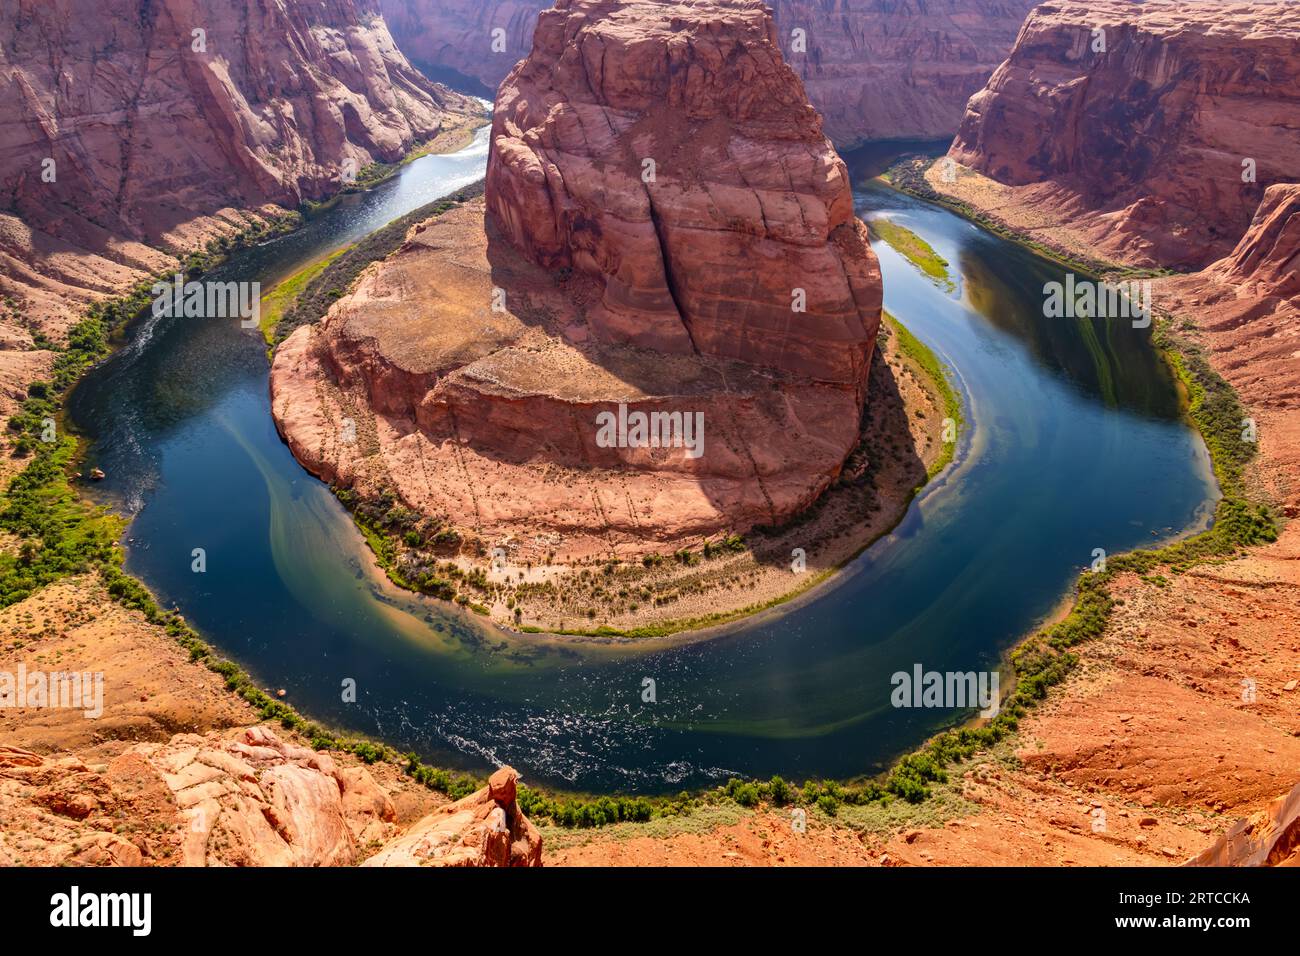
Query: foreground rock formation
[(1270, 837), (1154, 152), (130, 134), (487, 828), (875, 69), (248, 800), (666, 232)]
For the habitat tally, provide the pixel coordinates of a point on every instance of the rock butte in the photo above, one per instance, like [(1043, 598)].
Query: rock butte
[(875, 69), (669, 295), (1137, 153)]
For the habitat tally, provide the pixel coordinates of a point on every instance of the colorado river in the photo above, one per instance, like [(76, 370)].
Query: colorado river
[(1077, 443)]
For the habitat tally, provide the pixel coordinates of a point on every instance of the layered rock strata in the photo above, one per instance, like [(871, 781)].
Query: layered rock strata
[(1247, 308), (248, 800), (1144, 133), (130, 132)]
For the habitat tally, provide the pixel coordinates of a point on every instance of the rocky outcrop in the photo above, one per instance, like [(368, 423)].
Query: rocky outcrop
[(875, 69), (666, 231), (1270, 837), (128, 131), (251, 800), (1266, 261), (1247, 307), (1148, 132), (487, 828)]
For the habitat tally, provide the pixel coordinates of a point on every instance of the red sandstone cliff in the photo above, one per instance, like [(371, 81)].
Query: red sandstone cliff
[(1137, 152), (1247, 306), (875, 69), (462, 35), (158, 135), (675, 294)]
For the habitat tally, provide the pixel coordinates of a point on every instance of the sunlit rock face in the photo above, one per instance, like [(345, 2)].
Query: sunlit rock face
[(670, 153), (1152, 128)]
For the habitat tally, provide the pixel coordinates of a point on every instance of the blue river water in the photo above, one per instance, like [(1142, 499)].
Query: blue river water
[(1076, 442)]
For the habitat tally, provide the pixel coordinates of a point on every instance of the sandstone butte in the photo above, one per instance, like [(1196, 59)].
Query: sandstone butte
[(244, 798), (1136, 154), (667, 293), (874, 69), (158, 146)]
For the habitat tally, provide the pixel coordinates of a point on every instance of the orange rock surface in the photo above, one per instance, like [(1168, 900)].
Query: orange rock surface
[(247, 799)]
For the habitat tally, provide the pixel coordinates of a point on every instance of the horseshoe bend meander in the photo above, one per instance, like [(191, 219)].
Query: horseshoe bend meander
[(1075, 440)]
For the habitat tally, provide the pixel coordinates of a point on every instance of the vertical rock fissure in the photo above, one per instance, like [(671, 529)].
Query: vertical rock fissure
[(670, 279)]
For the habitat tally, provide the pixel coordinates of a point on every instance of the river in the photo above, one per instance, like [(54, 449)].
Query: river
[(1077, 443)]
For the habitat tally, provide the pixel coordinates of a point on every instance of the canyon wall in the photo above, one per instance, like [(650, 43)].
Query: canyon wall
[(875, 69), (130, 131), (480, 39), (1146, 133), (666, 231), (890, 69), (1247, 308)]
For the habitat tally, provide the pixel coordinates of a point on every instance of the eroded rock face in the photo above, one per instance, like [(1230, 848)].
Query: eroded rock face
[(1140, 149), (251, 800), (480, 39), (161, 121), (875, 69), (745, 205), (734, 288), (487, 828), (1247, 306), (1266, 261)]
